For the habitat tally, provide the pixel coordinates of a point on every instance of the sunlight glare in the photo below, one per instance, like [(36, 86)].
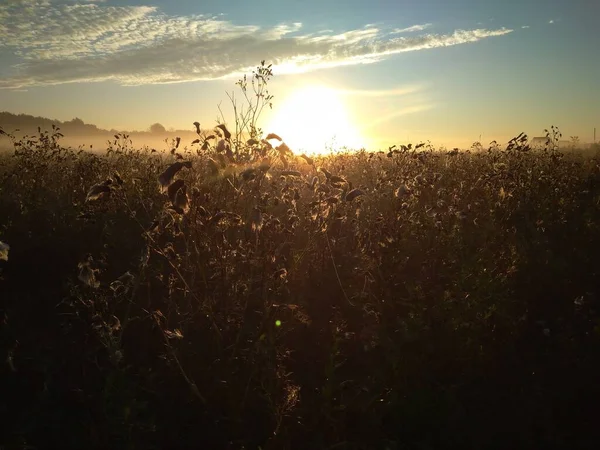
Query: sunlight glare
[(314, 119)]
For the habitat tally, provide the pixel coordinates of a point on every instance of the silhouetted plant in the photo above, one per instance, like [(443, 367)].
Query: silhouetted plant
[(356, 300)]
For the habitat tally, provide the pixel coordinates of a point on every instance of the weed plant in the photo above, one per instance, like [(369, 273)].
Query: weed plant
[(229, 294)]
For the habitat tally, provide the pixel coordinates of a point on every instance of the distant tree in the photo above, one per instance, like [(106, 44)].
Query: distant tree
[(157, 128)]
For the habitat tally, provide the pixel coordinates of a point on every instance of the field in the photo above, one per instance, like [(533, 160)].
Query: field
[(409, 299)]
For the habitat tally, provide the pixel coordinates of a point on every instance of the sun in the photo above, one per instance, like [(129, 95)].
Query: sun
[(313, 120)]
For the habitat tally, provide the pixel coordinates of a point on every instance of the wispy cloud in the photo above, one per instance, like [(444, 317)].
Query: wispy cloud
[(525, 26), (62, 42), (385, 93), (551, 21), (412, 29), (396, 113)]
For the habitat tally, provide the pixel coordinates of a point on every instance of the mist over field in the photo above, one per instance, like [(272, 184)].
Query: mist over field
[(76, 134), (99, 143)]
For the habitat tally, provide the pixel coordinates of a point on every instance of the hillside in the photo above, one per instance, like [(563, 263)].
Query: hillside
[(78, 133)]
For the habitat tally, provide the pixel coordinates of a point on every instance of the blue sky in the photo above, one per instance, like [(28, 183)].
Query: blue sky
[(411, 70)]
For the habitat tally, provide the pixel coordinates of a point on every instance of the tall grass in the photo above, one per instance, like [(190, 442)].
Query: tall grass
[(401, 299)]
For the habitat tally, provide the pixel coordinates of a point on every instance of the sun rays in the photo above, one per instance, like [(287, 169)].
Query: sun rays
[(314, 119)]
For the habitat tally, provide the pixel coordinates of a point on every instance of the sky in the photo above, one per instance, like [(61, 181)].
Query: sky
[(349, 72)]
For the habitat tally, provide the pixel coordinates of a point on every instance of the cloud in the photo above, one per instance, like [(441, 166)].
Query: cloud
[(525, 26), (64, 42), (396, 113), (412, 29), (385, 93), (551, 21)]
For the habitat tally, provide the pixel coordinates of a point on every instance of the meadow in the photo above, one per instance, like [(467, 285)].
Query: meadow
[(406, 299)]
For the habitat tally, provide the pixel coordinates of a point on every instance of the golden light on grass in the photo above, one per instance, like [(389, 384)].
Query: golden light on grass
[(313, 118)]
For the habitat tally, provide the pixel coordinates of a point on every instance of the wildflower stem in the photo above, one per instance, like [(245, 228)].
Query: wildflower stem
[(337, 275)]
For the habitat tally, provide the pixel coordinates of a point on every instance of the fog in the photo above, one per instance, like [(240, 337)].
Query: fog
[(100, 143)]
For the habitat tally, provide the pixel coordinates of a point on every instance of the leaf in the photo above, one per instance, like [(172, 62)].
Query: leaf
[(4, 248), (173, 188), (264, 165), (248, 174), (99, 191), (354, 193), (307, 159), (220, 215), (256, 220), (213, 166), (336, 179), (280, 274), (226, 132), (167, 176), (293, 173), (222, 146), (87, 275), (326, 172), (118, 178), (266, 144), (181, 203), (273, 136), (401, 191), (284, 149), (175, 334)]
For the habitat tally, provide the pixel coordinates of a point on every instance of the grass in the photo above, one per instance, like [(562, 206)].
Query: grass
[(410, 299)]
